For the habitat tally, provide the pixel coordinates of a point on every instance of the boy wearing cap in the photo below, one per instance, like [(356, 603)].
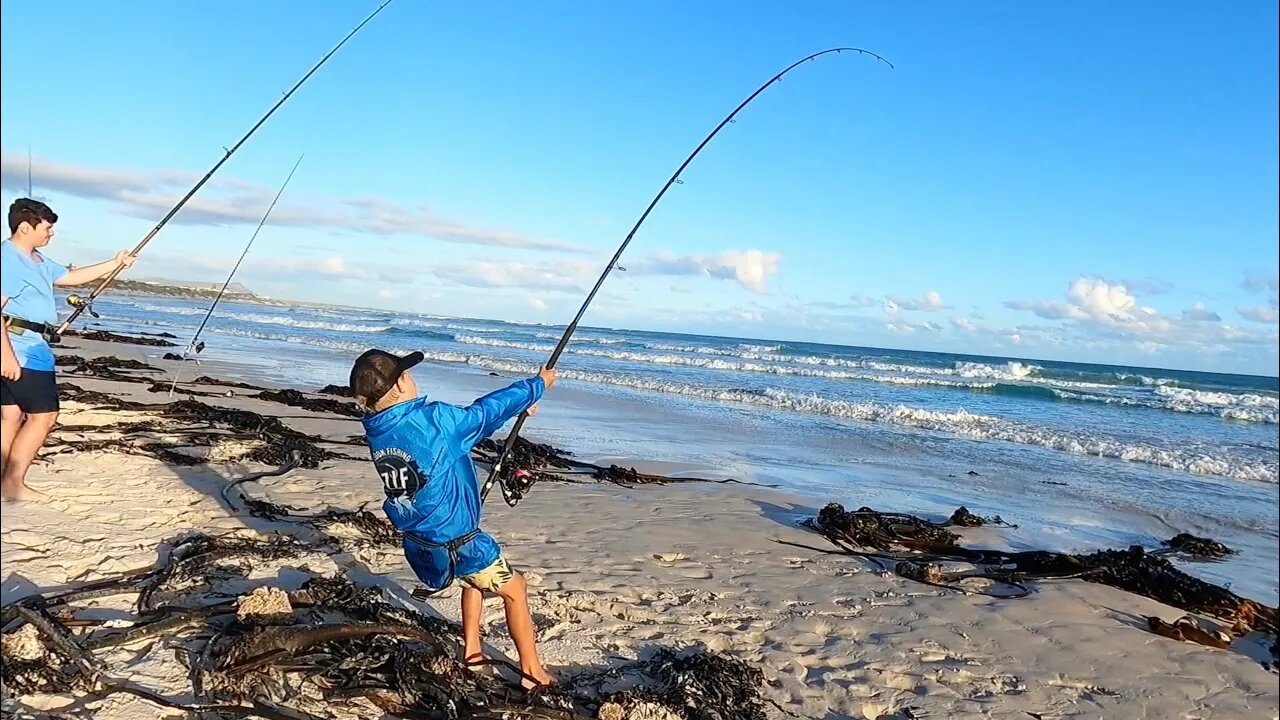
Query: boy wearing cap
[(422, 452)]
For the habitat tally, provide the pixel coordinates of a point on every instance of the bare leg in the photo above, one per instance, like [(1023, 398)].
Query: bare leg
[(472, 608), (10, 421), (26, 443), (520, 623)]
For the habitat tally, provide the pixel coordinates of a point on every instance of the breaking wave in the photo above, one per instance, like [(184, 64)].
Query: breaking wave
[(958, 423), (308, 324)]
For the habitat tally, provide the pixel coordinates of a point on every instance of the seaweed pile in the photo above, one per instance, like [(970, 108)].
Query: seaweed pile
[(106, 368), (104, 336), (294, 398), (1198, 546), (339, 390), (915, 547), (206, 380), (252, 649), (544, 463), (228, 434), (75, 393)]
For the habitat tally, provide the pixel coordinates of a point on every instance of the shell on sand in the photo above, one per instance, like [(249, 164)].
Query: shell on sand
[(264, 605), (638, 710), (23, 644)]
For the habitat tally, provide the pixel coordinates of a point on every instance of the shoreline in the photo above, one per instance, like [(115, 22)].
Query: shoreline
[(1065, 501), (613, 570)]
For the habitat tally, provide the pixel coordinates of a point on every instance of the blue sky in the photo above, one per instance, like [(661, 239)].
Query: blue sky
[(1086, 181)]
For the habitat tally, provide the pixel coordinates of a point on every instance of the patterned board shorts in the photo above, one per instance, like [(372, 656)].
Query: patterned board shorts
[(491, 578)]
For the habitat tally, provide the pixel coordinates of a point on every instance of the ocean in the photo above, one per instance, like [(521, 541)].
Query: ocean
[(1079, 456)]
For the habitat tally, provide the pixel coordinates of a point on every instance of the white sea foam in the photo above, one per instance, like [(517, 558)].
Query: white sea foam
[(287, 321), (958, 422), (171, 310), (583, 338), (1012, 370), (1247, 407), (720, 363)]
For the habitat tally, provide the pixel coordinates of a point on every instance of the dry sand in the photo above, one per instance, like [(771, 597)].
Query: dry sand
[(613, 570)]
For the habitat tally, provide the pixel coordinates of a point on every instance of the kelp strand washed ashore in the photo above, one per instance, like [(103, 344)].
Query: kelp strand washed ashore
[(915, 548), (254, 649)]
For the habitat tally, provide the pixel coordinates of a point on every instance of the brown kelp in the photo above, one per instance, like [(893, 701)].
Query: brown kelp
[(191, 424), (256, 650), (915, 547), (106, 336), (294, 398)]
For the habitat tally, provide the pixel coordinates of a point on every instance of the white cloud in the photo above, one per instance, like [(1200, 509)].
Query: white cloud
[(537, 303), (862, 300), (1259, 313), (228, 201), (1097, 308), (1270, 284), (909, 328), (570, 276), (932, 301), (1262, 281), (1198, 313), (750, 268)]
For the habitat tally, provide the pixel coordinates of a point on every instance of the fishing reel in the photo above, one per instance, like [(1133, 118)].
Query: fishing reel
[(82, 304), (514, 484)]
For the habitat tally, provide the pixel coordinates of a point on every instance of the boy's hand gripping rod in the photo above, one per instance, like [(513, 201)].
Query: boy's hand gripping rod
[(515, 483)]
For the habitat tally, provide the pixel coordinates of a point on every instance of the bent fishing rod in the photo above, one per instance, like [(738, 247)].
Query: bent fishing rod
[(80, 304), (196, 337), (514, 482)]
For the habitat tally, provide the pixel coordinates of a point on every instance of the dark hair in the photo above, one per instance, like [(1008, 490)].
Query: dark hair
[(26, 210)]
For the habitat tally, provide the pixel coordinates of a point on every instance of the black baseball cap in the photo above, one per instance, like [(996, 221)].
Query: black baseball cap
[(376, 372)]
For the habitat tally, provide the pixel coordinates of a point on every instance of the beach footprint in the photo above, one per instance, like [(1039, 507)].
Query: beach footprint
[(683, 565)]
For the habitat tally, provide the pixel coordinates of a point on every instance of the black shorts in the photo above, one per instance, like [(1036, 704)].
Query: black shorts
[(36, 391)]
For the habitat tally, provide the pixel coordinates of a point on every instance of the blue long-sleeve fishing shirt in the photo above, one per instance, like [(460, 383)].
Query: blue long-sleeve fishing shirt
[(422, 451)]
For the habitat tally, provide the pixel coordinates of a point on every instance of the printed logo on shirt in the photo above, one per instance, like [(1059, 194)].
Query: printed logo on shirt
[(399, 472)]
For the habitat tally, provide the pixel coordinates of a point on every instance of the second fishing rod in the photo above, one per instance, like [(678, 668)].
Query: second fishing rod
[(195, 345), (515, 482), (85, 304)]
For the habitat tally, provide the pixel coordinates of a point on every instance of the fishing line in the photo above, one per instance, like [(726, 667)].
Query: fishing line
[(513, 485), (195, 338), (80, 304)]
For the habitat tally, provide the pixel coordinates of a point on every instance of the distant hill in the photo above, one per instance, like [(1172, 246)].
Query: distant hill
[(234, 287), (183, 288)]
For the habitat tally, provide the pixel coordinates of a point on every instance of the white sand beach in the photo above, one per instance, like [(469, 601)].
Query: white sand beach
[(615, 570)]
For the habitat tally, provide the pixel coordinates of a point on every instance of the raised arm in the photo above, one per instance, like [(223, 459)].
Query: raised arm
[(89, 273), (480, 419)]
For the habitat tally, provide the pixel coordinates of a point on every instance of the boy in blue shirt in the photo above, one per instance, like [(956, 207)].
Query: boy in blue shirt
[(29, 389), (422, 452)]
